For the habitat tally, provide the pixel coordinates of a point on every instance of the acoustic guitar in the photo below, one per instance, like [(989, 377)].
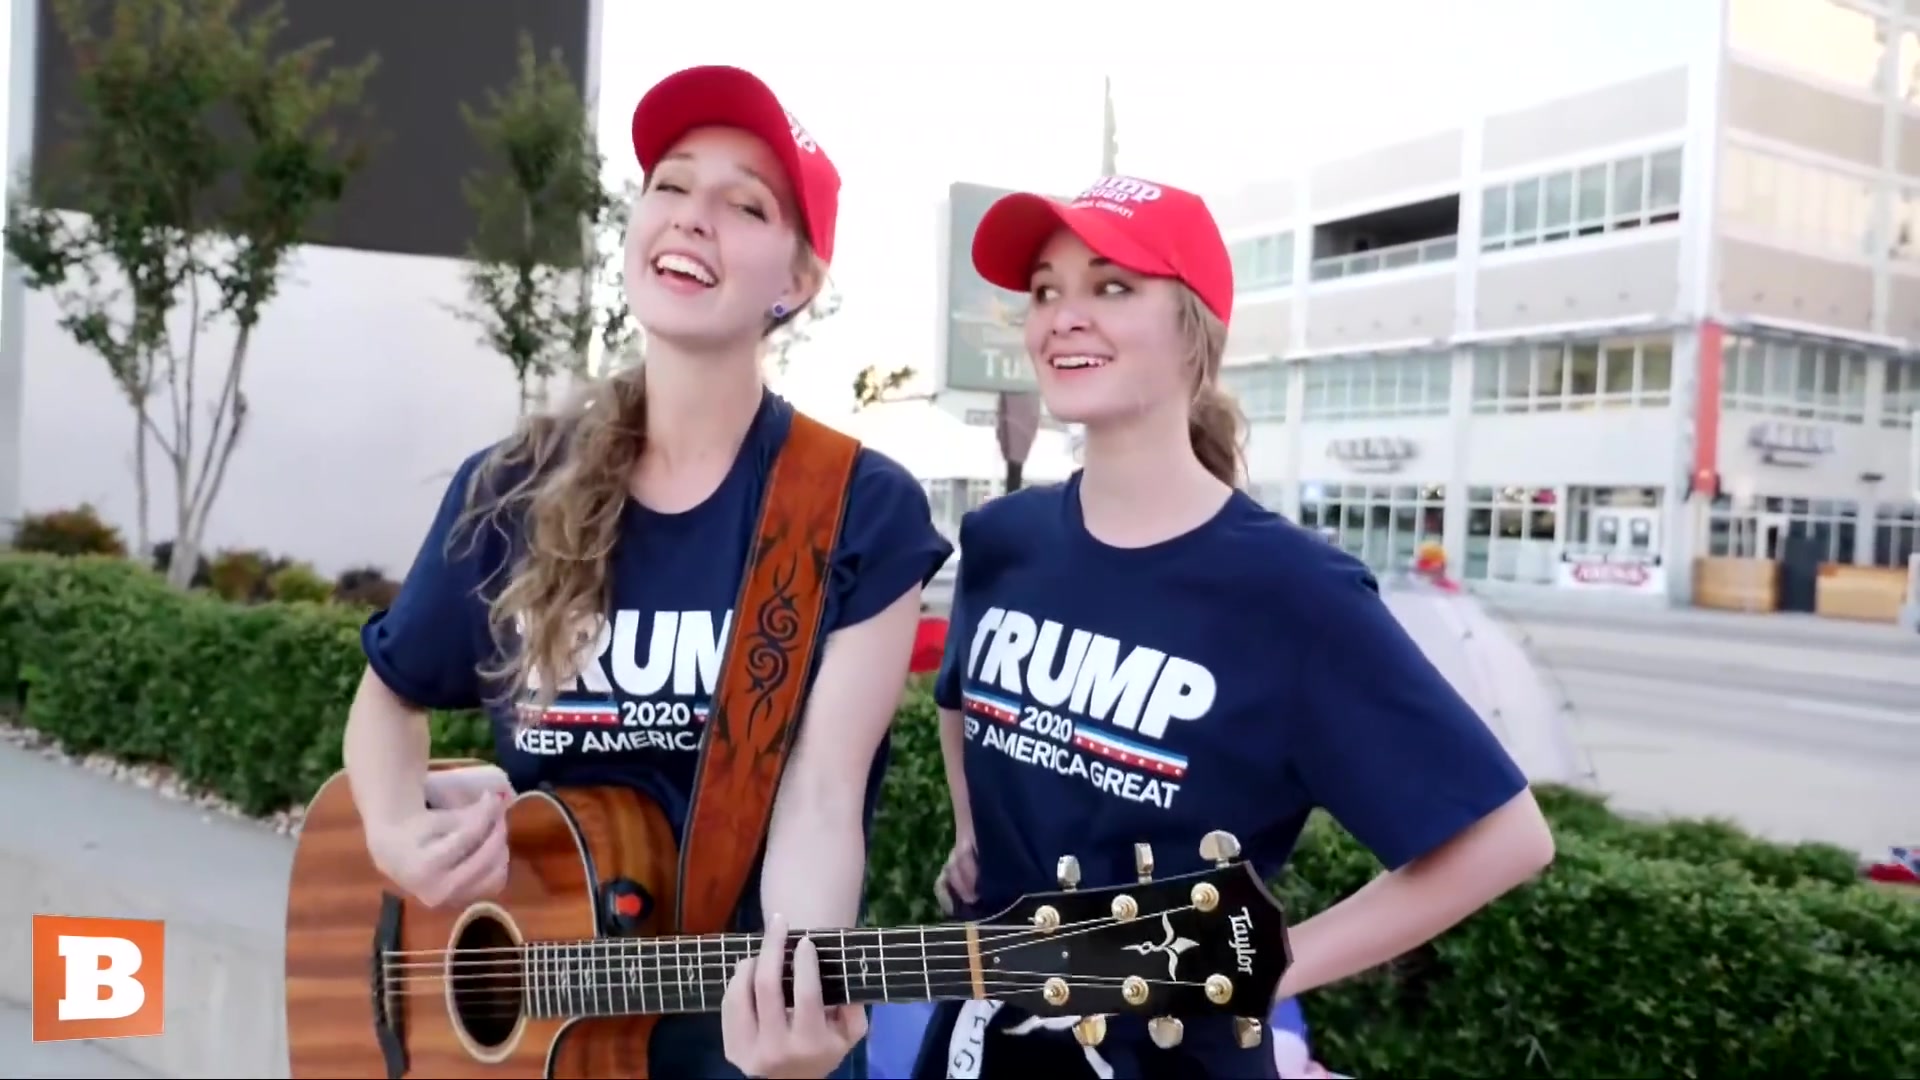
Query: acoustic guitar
[(566, 971)]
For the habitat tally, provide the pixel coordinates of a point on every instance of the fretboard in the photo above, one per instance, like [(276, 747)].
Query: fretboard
[(635, 976)]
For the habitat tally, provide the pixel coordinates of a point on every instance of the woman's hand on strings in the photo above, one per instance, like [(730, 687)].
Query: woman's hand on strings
[(765, 1037)]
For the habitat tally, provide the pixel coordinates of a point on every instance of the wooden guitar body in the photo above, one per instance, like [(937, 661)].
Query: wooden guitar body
[(379, 985)]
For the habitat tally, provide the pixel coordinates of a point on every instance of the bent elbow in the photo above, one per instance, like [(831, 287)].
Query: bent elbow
[(1533, 847)]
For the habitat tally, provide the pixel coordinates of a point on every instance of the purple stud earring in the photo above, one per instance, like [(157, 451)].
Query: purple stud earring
[(779, 310)]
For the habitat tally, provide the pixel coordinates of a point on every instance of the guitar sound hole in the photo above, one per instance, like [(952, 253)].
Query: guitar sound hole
[(488, 982)]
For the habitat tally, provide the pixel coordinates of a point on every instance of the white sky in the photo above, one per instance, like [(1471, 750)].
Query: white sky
[(1209, 93)]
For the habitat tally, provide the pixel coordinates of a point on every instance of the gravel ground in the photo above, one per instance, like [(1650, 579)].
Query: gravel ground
[(156, 778)]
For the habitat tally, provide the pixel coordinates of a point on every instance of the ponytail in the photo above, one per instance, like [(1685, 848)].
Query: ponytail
[(1214, 424)]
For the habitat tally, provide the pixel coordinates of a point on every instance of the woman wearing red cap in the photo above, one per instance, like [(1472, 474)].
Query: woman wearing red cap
[(604, 541), (1144, 654)]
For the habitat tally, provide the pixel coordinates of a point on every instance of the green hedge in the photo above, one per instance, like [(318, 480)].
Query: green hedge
[(1648, 950)]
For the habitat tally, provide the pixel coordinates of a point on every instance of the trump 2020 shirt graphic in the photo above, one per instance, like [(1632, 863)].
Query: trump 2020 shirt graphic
[(645, 683), (1029, 678)]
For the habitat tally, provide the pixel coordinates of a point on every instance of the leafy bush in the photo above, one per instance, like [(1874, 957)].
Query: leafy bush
[(1648, 950), (366, 586), (79, 531), (1709, 842), (300, 583), (243, 576), (245, 700)]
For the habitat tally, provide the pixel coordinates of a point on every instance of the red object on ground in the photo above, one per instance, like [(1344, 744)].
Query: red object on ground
[(1892, 873), (929, 645)]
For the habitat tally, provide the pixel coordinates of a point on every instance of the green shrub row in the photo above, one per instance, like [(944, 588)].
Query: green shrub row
[(1685, 949)]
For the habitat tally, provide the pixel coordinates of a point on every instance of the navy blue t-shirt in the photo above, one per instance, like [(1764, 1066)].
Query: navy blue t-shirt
[(635, 714), (1234, 677)]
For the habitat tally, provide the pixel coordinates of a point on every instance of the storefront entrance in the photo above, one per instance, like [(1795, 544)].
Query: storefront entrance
[(1614, 541)]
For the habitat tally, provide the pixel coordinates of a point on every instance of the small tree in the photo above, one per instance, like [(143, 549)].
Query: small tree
[(202, 157), (539, 258), (872, 385), (800, 331), (620, 336)]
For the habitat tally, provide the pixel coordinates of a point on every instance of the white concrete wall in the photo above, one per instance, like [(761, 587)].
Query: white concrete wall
[(364, 392)]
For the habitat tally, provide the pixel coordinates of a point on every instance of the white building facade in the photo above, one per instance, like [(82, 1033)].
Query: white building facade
[(1584, 343)]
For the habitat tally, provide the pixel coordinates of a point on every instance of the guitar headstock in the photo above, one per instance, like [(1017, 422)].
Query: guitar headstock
[(1210, 942)]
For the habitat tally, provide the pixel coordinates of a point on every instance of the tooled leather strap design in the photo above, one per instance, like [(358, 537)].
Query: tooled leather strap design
[(770, 654)]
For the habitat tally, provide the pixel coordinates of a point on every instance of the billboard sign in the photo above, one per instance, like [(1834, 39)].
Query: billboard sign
[(985, 350), (407, 200)]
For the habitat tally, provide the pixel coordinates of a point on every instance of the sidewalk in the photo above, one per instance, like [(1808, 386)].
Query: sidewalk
[(24, 1059), (1547, 606), (89, 844)]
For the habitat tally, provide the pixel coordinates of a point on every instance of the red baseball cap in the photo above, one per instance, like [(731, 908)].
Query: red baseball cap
[(1147, 228), (729, 97)]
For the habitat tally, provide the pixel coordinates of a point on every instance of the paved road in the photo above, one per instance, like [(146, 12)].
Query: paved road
[(1795, 728)]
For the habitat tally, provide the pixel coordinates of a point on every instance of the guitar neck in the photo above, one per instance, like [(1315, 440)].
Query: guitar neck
[(652, 976)]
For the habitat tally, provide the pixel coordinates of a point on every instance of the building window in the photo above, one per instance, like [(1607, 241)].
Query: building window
[(1511, 534), (979, 491), (1397, 257), (1605, 196), (1382, 526), (1902, 398), (1760, 530), (1798, 203), (1832, 40), (1616, 522), (1622, 373), (1262, 262), (1896, 536), (1260, 388), (1783, 378), (1368, 387), (1906, 71), (1904, 244)]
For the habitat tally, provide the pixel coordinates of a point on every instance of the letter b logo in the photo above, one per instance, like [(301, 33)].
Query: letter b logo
[(98, 978)]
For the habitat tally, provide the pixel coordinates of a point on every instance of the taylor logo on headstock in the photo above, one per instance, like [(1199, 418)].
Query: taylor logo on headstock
[(1242, 940)]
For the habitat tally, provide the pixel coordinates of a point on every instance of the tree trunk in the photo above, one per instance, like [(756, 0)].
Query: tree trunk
[(186, 545), (185, 558), (1015, 471), (142, 497)]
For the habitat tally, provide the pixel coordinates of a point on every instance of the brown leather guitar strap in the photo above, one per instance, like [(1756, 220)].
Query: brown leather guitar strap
[(770, 654)]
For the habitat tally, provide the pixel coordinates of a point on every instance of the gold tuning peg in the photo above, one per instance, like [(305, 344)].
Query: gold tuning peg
[(1143, 861), (1166, 1031), (1068, 872), (1090, 1030), (1247, 1032), (1219, 846)]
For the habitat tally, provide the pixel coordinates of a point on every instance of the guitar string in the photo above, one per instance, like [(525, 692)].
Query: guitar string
[(586, 974), (505, 1001), (613, 954), (750, 944), (754, 941)]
